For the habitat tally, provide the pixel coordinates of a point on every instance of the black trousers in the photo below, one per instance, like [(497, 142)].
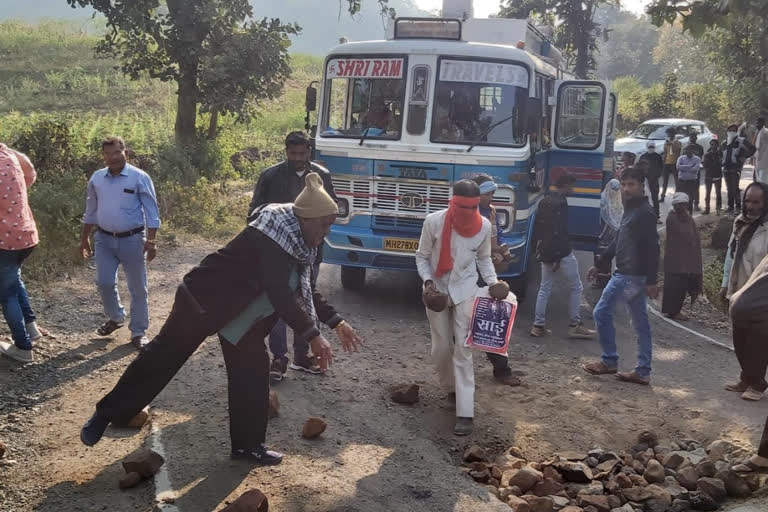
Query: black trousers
[(689, 187), (762, 450), (676, 288), (717, 183), (653, 186), (669, 170), (696, 192), (185, 329), (751, 347), (732, 185)]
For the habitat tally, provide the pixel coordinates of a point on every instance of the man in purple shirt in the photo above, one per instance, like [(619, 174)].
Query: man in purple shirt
[(688, 166)]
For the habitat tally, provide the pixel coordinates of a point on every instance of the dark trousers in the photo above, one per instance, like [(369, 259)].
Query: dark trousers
[(717, 183), (185, 329), (669, 170), (687, 187), (750, 344), (732, 185), (653, 186), (762, 450), (696, 192), (676, 288)]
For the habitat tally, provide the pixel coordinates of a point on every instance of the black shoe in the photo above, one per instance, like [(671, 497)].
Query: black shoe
[(705, 212), (93, 429), (278, 368), (140, 342), (306, 364), (259, 455)]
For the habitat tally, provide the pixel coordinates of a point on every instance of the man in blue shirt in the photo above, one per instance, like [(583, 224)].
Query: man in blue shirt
[(688, 167), (121, 207)]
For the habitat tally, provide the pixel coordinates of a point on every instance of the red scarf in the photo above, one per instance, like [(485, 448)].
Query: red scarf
[(467, 223)]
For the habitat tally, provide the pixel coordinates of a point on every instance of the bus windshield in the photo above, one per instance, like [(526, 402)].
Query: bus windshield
[(472, 96), (364, 98)]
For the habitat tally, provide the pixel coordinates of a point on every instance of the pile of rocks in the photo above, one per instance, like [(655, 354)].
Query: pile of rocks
[(652, 476)]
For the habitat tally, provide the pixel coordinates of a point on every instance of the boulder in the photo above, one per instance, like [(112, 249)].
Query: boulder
[(250, 501), (129, 480), (706, 468), (655, 505), (648, 438), (524, 478), (614, 502), (713, 487), (701, 501), (637, 494), (623, 481), (547, 487), (673, 461), (722, 233), (560, 502), (638, 480), (541, 504), (496, 472), (680, 506), (717, 450), (482, 475), (625, 508), (638, 466), (574, 471), (572, 456), (659, 493), (654, 472), (593, 488), (474, 454), (607, 466), (274, 405), (736, 486), (3, 449), (688, 477), (518, 504), (552, 473), (313, 427), (599, 502), (407, 394), (144, 462), (505, 492)]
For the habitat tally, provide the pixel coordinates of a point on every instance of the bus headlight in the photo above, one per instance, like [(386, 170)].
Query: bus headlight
[(502, 217), (343, 205)]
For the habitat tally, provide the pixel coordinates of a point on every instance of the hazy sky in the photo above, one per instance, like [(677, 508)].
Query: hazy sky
[(485, 7)]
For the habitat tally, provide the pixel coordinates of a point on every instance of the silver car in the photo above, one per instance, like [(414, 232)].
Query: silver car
[(656, 130)]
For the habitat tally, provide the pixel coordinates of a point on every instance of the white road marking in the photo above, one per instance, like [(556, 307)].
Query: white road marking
[(687, 329), (163, 487)]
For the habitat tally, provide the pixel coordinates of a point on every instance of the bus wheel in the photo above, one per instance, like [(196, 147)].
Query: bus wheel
[(353, 278)]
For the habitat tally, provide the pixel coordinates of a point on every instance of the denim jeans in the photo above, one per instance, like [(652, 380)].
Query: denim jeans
[(13, 296), (629, 290), (110, 253), (569, 267)]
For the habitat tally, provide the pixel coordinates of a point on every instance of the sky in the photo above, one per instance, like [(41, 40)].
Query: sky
[(485, 7)]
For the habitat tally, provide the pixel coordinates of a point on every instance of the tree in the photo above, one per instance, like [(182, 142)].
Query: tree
[(741, 25), (576, 31), (189, 41), (629, 50)]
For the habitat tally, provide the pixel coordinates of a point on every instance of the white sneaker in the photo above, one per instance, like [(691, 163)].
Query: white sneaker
[(14, 352), (34, 332)]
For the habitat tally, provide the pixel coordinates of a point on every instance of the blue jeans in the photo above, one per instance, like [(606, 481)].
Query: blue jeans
[(13, 296), (630, 290), (110, 253), (569, 267)]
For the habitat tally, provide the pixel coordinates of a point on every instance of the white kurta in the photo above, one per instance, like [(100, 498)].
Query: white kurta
[(761, 155), (450, 327)]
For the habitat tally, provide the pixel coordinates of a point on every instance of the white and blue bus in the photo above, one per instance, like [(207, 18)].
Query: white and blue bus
[(440, 100)]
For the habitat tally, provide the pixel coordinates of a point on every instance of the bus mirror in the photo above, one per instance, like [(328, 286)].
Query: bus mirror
[(310, 100)]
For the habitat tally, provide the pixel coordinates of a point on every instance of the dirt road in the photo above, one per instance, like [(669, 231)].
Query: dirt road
[(375, 455)]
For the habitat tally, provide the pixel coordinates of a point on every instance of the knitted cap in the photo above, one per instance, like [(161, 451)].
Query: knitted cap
[(680, 197), (314, 201)]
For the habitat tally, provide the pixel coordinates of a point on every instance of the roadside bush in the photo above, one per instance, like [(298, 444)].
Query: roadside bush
[(713, 279)]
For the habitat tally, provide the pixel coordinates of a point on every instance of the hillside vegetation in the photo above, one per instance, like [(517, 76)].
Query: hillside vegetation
[(57, 101)]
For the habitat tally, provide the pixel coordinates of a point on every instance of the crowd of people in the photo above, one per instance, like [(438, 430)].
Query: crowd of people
[(264, 280)]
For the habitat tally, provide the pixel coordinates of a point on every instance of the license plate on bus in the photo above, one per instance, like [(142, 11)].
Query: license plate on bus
[(401, 244)]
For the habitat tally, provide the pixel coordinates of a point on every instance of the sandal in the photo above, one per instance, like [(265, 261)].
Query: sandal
[(108, 328), (598, 368)]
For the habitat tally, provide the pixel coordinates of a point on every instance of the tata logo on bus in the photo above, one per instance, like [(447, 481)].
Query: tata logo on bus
[(413, 173), (412, 200), (365, 68), (483, 73)]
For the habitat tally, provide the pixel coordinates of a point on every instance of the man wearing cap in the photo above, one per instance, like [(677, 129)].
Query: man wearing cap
[(455, 246), (688, 167), (282, 183), (239, 292), (682, 259), (653, 165)]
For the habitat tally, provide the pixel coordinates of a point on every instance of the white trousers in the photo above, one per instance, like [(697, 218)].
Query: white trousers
[(452, 359)]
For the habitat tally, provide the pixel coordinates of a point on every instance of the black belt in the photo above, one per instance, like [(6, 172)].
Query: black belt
[(124, 234)]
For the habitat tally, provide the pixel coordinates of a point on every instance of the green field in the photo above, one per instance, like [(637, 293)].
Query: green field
[(58, 100)]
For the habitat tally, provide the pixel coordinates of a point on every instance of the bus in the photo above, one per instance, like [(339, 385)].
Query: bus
[(441, 100)]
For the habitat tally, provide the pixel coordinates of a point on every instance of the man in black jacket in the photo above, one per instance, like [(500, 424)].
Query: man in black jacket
[(554, 251), (652, 165), (239, 292), (637, 260), (281, 183)]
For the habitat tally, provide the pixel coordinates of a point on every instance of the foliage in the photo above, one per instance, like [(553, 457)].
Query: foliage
[(680, 53), (576, 31), (713, 280), (628, 51)]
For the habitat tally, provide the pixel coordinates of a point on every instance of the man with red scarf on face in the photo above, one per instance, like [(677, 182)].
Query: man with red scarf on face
[(455, 245)]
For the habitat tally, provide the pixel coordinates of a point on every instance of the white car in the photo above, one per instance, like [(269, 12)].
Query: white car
[(656, 130)]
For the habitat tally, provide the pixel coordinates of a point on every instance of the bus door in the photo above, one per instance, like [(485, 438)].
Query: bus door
[(582, 119)]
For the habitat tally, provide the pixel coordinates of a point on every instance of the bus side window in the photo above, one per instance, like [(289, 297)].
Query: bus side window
[(579, 116), (417, 101)]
